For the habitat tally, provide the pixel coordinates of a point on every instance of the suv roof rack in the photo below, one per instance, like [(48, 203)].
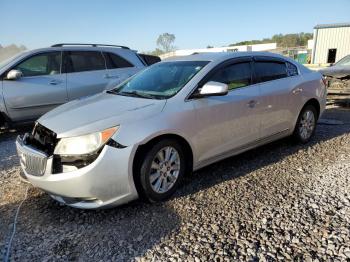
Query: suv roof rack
[(94, 45)]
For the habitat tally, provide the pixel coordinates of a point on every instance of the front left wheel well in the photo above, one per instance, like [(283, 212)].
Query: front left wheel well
[(142, 150)]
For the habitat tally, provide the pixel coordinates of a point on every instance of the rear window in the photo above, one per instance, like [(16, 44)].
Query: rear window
[(116, 61), (267, 71), (291, 69), (80, 61)]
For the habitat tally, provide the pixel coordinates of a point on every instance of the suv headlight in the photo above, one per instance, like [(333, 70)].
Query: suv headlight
[(86, 144)]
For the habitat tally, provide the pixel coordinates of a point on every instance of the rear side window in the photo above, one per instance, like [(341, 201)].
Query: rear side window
[(267, 71), (235, 76), (115, 61), (80, 61), (42, 64), (292, 70)]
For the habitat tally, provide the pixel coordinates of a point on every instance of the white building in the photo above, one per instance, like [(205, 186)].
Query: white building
[(257, 47), (331, 43)]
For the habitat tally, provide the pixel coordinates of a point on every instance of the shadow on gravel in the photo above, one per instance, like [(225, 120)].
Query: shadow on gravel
[(129, 231), (254, 159)]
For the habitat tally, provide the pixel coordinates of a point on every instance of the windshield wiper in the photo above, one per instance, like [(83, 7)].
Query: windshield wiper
[(137, 94), (112, 91)]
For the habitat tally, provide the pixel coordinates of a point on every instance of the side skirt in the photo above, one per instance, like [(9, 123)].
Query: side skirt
[(244, 148)]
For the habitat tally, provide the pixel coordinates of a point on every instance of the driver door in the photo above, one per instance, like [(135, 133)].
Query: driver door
[(230, 122), (41, 87)]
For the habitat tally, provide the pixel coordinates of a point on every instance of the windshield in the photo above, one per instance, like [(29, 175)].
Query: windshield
[(344, 61), (8, 60), (161, 80)]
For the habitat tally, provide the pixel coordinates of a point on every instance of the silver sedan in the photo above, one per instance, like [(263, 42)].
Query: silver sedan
[(142, 137)]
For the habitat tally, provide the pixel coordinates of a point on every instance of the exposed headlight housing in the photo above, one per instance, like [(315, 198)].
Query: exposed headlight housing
[(83, 145)]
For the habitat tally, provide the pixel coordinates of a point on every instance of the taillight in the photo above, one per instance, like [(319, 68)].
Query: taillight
[(325, 82)]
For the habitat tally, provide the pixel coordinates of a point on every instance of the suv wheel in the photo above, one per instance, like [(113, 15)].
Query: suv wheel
[(306, 124), (162, 170)]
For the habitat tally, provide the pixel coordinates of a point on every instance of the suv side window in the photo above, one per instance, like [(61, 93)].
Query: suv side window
[(292, 70), (115, 61), (80, 61), (41, 64), (235, 75), (269, 70)]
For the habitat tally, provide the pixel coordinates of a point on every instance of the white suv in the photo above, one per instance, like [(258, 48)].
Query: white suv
[(36, 81)]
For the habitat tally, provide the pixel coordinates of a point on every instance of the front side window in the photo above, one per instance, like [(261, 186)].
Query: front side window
[(161, 80), (235, 76), (42, 64), (114, 61), (267, 71), (80, 61)]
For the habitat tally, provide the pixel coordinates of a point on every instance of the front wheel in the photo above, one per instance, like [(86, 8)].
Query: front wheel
[(306, 124), (162, 170)]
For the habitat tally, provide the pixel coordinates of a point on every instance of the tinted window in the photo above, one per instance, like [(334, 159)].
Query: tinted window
[(79, 61), (43, 64), (267, 71), (291, 69), (115, 61), (235, 76)]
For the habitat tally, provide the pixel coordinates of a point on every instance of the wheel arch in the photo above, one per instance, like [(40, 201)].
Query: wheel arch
[(314, 102), (142, 149)]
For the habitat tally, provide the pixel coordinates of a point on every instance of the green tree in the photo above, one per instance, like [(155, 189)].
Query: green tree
[(165, 41)]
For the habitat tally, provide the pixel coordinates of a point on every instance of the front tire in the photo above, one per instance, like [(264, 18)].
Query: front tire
[(162, 170), (306, 124)]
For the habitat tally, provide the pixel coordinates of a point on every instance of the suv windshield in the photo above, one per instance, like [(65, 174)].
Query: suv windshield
[(161, 80), (344, 61)]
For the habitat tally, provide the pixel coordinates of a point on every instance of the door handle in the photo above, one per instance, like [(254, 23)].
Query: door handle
[(55, 82), (252, 103), (297, 90), (107, 76)]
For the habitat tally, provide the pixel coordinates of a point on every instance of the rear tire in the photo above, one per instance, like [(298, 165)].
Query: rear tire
[(306, 124), (162, 170)]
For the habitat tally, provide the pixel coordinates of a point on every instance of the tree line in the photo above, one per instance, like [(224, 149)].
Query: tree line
[(287, 40), (10, 50)]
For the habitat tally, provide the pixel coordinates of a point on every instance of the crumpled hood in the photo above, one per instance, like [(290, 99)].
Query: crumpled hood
[(336, 71), (98, 112)]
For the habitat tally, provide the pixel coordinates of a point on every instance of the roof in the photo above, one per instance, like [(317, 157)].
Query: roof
[(219, 56), (321, 26)]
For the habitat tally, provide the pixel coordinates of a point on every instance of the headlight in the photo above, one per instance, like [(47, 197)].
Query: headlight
[(86, 144)]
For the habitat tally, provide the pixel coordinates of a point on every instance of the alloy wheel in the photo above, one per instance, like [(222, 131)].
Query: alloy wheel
[(307, 124), (164, 170)]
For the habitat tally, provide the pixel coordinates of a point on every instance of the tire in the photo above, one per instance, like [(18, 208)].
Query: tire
[(160, 179), (306, 124)]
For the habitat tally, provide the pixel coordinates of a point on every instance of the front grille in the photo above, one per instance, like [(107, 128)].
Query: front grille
[(32, 161), (43, 139)]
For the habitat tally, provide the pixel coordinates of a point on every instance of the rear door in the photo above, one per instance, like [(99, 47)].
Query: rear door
[(118, 68), (86, 73), (277, 95), (41, 87)]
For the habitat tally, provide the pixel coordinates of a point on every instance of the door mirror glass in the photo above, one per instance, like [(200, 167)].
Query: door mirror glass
[(214, 89), (14, 74)]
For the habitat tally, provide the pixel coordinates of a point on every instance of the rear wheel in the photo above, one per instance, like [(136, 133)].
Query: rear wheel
[(306, 124), (162, 170)]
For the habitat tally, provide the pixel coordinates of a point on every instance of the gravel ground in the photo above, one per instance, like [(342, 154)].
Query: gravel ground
[(279, 202)]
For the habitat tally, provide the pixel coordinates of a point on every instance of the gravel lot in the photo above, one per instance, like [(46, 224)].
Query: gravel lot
[(279, 202)]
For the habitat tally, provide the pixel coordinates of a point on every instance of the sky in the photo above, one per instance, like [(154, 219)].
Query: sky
[(137, 23)]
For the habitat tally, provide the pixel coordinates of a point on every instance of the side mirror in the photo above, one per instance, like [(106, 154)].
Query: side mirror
[(14, 74), (214, 89)]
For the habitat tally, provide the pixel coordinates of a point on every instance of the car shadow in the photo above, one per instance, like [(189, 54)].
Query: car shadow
[(239, 165), (128, 231)]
